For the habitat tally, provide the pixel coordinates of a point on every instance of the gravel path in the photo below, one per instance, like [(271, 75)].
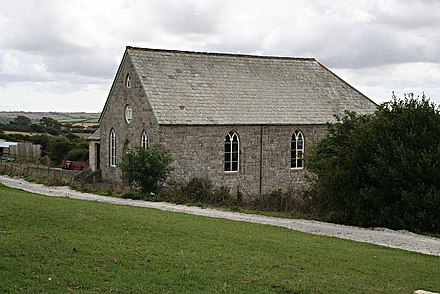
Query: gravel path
[(396, 239)]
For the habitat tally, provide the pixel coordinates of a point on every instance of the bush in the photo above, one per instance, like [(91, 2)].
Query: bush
[(382, 169), (58, 147), (78, 154), (221, 196), (291, 200), (146, 168), (199, 189)]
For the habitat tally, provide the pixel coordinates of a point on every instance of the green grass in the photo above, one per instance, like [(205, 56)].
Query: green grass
[(62, 245)]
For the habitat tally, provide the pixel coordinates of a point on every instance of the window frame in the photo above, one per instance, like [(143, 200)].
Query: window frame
[(128, 113), (112, 148), (231, 163), (128, 81), (297, 154), (144, 140)]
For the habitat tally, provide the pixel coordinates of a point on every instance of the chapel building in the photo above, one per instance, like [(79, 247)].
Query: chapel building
[(243, 121)]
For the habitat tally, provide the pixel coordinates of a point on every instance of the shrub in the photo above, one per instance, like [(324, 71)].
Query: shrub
[(221, 196), (382, 169), (199, 189), (58, 147), (146, 168), (78, 154), (291, 200)]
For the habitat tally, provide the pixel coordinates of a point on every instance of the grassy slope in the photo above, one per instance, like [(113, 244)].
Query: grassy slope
[(85, 246)]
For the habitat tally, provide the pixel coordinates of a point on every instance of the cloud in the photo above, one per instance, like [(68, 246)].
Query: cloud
[(73, 44), (380, 82), (52, 97)]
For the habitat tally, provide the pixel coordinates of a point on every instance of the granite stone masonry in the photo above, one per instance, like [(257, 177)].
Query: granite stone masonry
[(274, 108)]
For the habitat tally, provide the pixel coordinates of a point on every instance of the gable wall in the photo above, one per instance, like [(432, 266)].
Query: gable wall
[(114, 117)]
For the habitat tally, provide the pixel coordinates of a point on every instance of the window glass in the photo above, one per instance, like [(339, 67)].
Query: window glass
[(144, 140), (112, 148), (128, 113), (297, 150), (128, 81), (231, 152)]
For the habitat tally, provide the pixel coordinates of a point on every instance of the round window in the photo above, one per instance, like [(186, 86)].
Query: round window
[(128, 113)]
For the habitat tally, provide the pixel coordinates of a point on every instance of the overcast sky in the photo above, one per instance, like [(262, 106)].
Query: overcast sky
[(63, 55)]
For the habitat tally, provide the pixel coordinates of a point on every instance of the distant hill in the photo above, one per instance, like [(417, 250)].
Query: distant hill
[(62, 117)]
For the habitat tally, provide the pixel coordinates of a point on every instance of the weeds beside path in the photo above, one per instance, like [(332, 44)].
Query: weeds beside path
[(395, 239)]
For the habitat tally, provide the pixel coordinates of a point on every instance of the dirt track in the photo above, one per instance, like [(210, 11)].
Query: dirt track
[(396, 239)]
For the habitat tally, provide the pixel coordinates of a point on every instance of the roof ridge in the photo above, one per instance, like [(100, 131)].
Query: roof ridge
[(220, 54)]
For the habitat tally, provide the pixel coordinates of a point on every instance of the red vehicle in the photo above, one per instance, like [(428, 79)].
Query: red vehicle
[(73, 165)]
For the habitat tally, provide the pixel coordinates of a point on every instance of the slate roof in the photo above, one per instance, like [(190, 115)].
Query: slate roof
[(193, 88)]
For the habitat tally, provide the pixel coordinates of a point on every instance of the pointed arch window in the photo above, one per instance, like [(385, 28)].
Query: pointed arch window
[(112, 148), (297, 150), (232, 147), (128, 81), (144, 140)]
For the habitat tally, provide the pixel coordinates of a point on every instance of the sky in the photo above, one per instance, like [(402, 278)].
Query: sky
[(63, 55)]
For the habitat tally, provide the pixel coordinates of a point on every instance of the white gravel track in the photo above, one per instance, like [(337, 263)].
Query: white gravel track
[(396, 239)]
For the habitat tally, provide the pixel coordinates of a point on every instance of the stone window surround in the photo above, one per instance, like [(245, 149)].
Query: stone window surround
[(128, 113), (297, 150), (112, 148), (231, 164), (144, 140), (128, 80)]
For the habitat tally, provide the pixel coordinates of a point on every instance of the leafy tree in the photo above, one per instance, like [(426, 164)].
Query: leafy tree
[(37, 128), (58, 147), (146, 168), (50, 122), (382, 169), (79, 153), (22, 121)]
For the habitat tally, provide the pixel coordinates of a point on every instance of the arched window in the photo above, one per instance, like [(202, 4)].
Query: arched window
[(297, 150), (128, 81), (144, 140), (112, 149), (232, 147)]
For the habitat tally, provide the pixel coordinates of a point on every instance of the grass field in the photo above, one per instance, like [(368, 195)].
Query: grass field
[(62, 245)]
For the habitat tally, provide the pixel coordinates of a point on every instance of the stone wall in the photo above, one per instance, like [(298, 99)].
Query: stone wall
[(94, 150), (198, 151), (53, 175), (127, 134)]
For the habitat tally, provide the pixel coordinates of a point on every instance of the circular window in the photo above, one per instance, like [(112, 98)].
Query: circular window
[(128, 113), (128, 81)]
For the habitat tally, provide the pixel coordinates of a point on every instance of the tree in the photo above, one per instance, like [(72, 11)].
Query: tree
[(58, 147), (79, 153), (382, 169), (146, 168), (22, 121), (50, 122)]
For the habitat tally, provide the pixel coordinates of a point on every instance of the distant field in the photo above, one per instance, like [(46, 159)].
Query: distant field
[(61, 245), (59, 116), (19, 133), (93, 121)]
